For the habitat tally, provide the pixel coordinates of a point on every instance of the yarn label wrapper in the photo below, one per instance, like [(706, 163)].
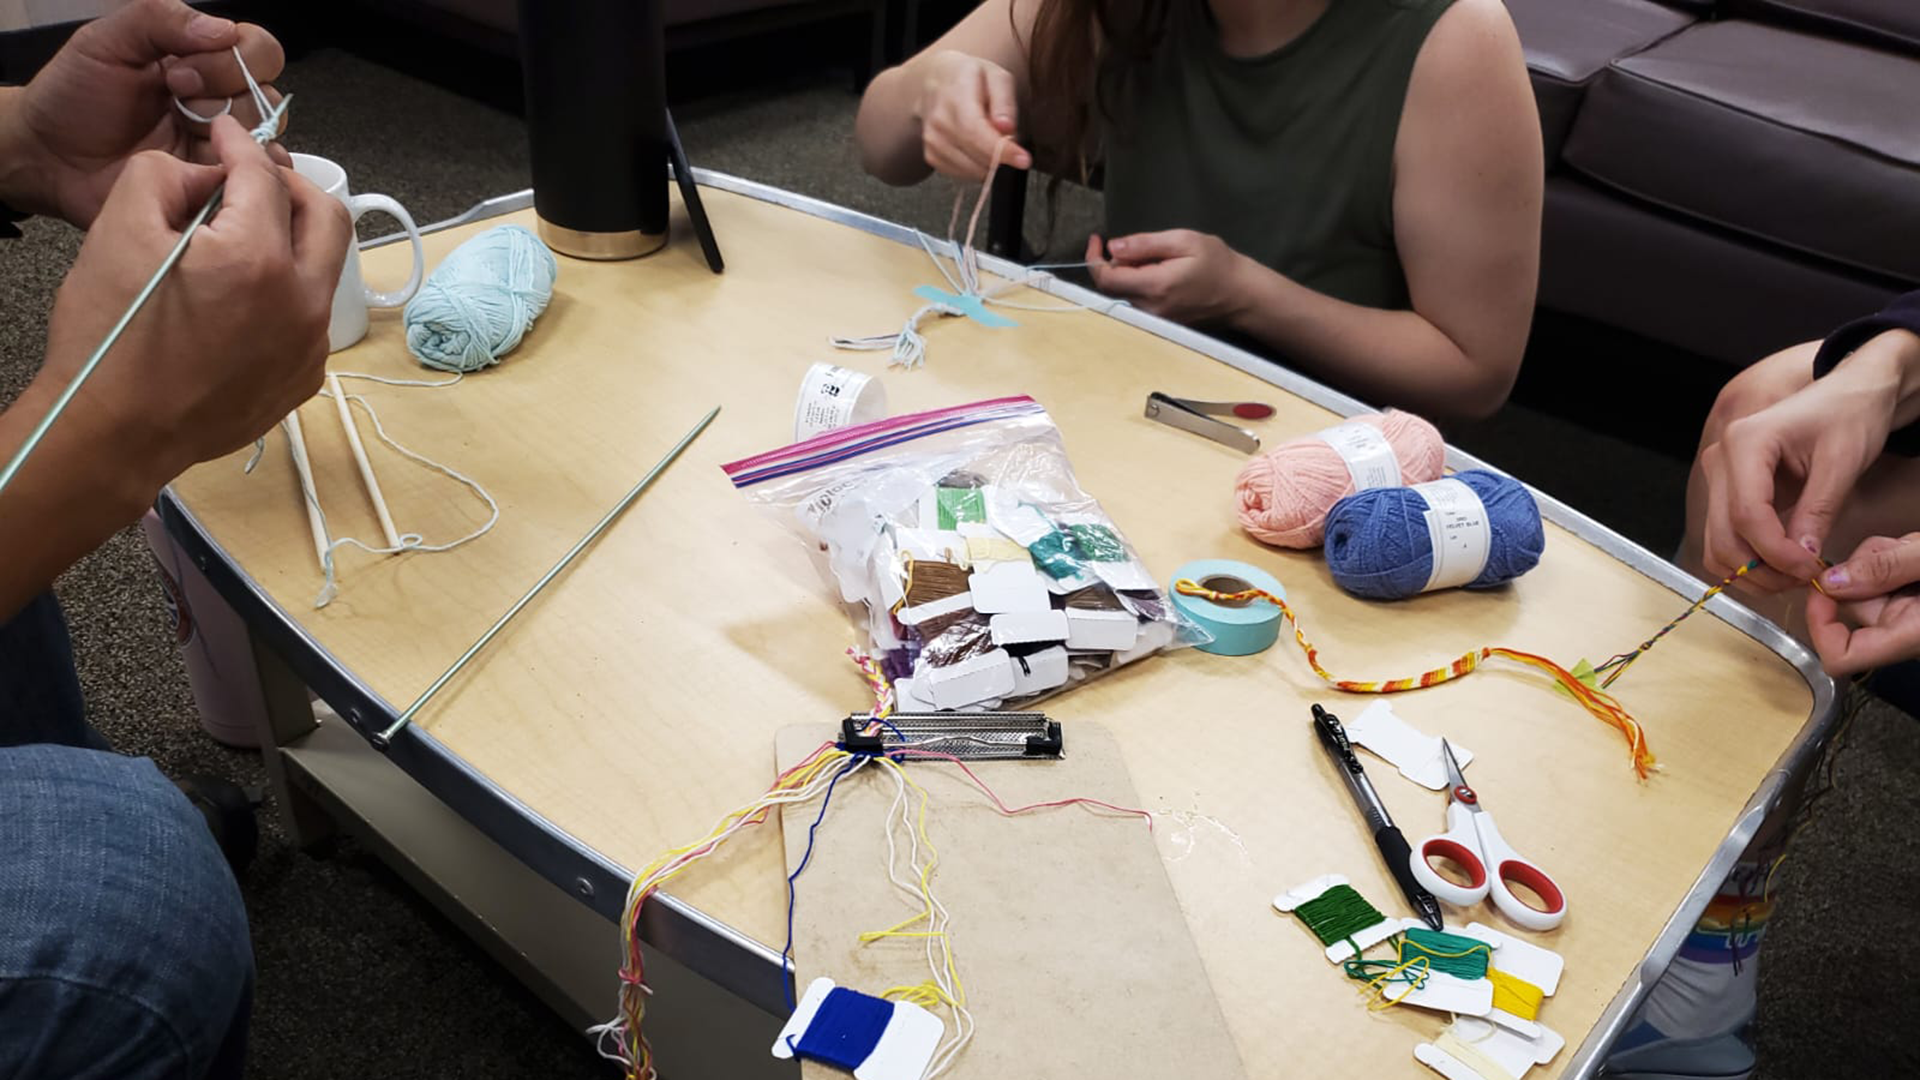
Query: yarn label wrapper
[(1366, 452), (1461, 534), (833, 397)]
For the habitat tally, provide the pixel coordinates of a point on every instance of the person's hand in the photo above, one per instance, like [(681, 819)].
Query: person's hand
[(1186, 276), (966, 106), (1869, 614), (234, 338), (1777, 479), (108, 94)]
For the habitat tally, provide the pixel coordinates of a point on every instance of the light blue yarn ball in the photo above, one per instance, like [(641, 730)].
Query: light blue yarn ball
[(480, 301), (1378, 545)]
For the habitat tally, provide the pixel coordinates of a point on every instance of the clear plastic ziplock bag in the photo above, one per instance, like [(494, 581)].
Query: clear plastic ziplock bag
[(980, 574)]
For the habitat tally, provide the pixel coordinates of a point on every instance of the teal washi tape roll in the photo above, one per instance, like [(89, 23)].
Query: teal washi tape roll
[(1238, 630)]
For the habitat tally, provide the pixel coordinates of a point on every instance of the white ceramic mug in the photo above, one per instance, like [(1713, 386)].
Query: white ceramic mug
[(352, 298)]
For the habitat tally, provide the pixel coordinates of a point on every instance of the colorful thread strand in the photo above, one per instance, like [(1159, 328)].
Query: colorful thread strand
[(1618, 666), (1597, 702)]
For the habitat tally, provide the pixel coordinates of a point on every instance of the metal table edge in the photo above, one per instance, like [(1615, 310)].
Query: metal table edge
[(753, 970)]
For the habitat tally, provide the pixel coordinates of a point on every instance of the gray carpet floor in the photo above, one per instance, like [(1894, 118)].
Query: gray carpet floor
[(358, 978)]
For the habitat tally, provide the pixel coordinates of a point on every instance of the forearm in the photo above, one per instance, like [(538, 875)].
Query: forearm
[(78, 488), (1905, 355), (1392, 357), (887, 128)]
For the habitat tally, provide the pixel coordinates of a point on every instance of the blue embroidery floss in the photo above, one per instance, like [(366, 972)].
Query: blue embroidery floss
[(1379, 546), (846, 1029), (481, 300)]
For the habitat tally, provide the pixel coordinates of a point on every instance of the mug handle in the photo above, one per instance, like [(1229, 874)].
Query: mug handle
[(359, 205)]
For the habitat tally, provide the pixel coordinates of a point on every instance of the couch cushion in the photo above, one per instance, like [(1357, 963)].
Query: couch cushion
[(1891, 22), (1665, 277), (1568, 42), (1793, 138)]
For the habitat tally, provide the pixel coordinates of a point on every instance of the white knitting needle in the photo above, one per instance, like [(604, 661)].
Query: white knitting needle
[(360, 458), (309, 494)]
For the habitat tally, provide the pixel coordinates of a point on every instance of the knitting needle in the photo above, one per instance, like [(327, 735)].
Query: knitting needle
[(384, 739), (261, 134), (360, 458), (309, 492)]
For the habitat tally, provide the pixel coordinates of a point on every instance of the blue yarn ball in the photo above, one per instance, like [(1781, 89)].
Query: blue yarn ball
[(1378, 545), (480, 301)]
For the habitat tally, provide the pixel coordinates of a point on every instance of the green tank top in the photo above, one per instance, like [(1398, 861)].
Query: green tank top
[(1288, 157)]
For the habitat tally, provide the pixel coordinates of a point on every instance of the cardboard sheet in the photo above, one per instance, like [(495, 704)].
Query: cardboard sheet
[(1075, 956)]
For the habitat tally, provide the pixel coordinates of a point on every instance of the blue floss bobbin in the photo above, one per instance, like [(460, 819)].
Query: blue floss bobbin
[(873, 1038), (1239, 629), (1475, 528), (481, 300)]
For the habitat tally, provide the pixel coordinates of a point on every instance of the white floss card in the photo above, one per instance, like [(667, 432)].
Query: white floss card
[(1512, 1054), (1521, 959), (884, 567), (933, 609), (1152, 637), (971, 681), (1008, 586), (1446, 1065), (1339, 951), (1458, 528), (938, 545), (904, 1050), (1039, 671), (1366, 452), (1022, 524), (906, 697), (1101, 630), (1025, 627), (1445, 993), (986, 544), (1415, 753)]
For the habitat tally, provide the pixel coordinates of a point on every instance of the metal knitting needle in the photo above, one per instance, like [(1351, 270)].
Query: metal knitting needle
[(267, 129), (384, 739)]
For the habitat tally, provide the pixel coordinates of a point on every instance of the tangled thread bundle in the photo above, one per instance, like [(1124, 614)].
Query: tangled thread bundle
[(481, 301), (1283, 496), (1378, 545)]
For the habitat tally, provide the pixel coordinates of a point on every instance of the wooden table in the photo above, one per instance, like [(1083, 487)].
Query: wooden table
[(638, 698)]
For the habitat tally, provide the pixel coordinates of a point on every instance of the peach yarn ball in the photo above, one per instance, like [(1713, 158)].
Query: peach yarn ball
[(1284, 495)]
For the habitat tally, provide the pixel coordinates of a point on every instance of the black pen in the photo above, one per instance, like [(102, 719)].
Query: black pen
[(1386, 836)]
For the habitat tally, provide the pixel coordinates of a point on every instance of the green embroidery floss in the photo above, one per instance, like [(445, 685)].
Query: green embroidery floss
[(1054, 553), (1418, 951), (1338, 914)]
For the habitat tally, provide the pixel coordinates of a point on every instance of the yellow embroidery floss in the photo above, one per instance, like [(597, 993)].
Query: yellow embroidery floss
[(1512, 994)]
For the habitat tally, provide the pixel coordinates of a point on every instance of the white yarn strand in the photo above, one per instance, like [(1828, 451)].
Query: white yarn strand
[(909, 345), (408, 541)]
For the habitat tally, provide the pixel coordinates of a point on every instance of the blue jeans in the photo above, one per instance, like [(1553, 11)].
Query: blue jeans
[(123, 940)]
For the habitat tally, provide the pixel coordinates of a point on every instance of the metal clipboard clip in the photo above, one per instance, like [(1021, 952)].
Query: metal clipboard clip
[(1198, 417)]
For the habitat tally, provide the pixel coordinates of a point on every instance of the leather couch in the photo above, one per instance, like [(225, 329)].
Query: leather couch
[(1728, 176)]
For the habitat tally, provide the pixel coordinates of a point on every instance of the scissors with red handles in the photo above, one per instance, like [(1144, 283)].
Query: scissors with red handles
[(1472, 843)]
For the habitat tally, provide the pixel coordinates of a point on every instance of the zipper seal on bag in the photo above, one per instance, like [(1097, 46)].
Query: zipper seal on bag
[(848, 443)]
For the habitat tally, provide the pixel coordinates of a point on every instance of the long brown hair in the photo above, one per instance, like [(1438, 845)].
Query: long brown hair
[(1079, 61)]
